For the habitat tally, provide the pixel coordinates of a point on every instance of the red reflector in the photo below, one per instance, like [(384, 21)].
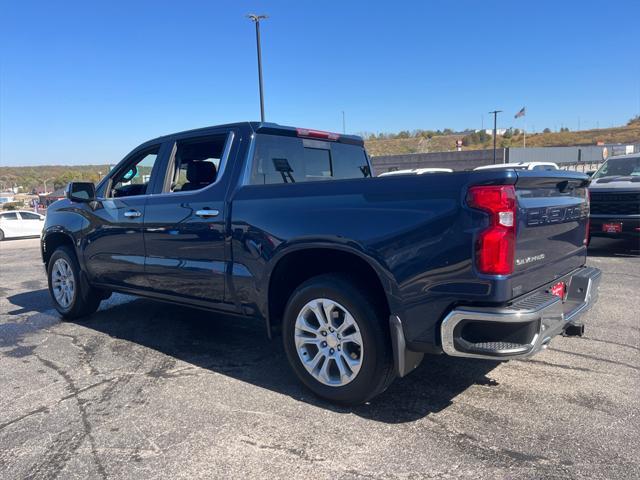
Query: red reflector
[(305, 132), (495, 246), (614, 227), (559, 290)]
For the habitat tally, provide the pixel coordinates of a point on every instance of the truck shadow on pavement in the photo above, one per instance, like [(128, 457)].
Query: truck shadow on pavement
[(238, 348)]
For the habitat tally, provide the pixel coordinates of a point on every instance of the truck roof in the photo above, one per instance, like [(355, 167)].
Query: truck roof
[(273, 129)]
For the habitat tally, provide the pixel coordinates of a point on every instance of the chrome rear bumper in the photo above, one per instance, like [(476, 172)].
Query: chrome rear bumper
[(532, 321)]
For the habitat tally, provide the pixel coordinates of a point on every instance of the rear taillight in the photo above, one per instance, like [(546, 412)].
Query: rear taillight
[(305, 132), (495, 245)]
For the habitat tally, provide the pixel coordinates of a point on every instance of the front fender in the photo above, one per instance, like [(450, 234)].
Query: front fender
[(66, 222)]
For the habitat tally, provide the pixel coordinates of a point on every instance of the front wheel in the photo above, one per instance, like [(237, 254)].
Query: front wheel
[(72, 297), (336, 340)]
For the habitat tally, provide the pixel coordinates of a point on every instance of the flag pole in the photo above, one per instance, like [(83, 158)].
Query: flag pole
[(523, 113)]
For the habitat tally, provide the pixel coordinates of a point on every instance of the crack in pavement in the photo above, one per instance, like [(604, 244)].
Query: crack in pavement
[(64, 447)]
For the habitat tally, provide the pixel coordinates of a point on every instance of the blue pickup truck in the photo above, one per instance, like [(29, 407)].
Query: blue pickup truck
[(360, 276)]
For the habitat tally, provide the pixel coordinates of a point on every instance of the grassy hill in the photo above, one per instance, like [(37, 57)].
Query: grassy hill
[(629, 133), (56, 176)]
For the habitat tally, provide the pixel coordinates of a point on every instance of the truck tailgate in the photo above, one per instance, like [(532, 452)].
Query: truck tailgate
[(552, 219)]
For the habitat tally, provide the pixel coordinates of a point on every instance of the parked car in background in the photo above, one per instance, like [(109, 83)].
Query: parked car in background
[(522, 166), (20, 223), (362, 276), (416, 171), (615, 198)]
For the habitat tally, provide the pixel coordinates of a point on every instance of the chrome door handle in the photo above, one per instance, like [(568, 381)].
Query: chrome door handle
[(132, 214), (208, 213)]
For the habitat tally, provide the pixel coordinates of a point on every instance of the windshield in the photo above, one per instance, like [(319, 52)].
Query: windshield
[(619, 167)]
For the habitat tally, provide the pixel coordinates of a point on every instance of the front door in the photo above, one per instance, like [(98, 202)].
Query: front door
[(185, 225), (114, 250)]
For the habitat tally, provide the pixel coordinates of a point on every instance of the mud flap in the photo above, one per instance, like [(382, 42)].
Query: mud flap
[(405, 361)]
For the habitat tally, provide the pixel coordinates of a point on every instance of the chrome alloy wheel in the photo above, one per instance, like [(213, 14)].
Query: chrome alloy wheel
[(328, 342), (63, 283)]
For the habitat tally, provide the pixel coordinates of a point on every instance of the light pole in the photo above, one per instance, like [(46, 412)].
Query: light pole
[(344, 123), (45, 184), (495, 132), (256, 19)]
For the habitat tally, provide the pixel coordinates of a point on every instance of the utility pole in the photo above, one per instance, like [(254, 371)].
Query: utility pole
[(45, 184), (344, 124), (256, 19), (495, 131)]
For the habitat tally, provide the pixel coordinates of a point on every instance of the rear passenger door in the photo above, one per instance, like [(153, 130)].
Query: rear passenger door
[(185, 224)]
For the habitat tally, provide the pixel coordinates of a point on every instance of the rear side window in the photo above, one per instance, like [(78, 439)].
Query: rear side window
[(197, 162), (9, 216), (280, 159)]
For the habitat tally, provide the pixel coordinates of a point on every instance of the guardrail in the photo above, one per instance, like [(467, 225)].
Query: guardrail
[(583, 167)]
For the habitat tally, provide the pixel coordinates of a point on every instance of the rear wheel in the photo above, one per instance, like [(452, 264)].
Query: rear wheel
[(336, 340), (1, 235), (72, 297)]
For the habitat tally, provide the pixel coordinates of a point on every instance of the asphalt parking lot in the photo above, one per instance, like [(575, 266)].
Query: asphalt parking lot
[(144, 389)]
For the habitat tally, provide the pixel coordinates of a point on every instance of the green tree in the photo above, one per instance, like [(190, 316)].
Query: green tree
[(476, 138)]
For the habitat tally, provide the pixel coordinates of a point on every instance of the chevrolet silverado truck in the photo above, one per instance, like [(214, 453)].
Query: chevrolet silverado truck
[(361, 276), (615, 198)]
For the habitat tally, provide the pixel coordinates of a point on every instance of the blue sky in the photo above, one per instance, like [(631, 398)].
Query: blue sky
[(85, 82)]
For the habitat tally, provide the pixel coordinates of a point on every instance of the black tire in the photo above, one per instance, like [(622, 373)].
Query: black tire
[(1, 235), (85, 299), (377, 370)]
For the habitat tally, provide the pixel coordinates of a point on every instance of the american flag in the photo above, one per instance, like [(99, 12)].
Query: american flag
[(520, 113)]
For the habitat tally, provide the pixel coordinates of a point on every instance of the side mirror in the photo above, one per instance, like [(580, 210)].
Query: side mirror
[(81, 192)]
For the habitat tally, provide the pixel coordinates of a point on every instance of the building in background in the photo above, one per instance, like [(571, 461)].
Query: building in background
[(6, 197), (47, 199)]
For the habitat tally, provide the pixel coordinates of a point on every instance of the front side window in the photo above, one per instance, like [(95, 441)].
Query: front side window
[(280, 159), (135, 177), (197, 162)]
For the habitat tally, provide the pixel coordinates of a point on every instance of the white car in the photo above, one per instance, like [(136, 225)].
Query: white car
[(522, 166), (20, 223), (416, 171)]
